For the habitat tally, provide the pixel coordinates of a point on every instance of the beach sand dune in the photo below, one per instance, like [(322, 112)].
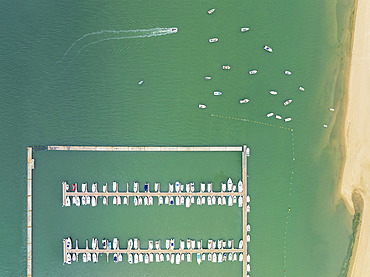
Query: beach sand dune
[(356, 174)]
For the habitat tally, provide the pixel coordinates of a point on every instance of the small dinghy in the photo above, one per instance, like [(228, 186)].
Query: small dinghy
[(141, 82), (287, 72), (252, 72), (244, 101), (288, 119), (301, 88), (272, 92), (208, 78), (226, 67), (213, 40), (211, 11), (244, 29), (201, 106), (270, 114), (268, 49), (217, 93)]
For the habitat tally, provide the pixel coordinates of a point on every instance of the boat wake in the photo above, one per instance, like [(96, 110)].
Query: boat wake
[(92, 38)]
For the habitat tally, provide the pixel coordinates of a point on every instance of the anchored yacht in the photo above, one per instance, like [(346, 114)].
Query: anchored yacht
[(270, 114), (268, 49)]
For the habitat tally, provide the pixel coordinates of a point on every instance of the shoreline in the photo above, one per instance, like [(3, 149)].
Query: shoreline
[(356, 171)]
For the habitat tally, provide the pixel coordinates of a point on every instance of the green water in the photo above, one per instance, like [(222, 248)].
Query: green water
[(91, 97)]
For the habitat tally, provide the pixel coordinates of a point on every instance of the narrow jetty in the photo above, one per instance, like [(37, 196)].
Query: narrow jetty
[(149, 148), (30, 167), (245, 154)]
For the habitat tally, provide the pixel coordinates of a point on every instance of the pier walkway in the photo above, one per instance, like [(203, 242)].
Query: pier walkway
[(149, 148), (30, 167)]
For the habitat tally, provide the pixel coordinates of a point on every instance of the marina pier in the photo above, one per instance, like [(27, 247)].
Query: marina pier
[(148, 148), (30, 167)]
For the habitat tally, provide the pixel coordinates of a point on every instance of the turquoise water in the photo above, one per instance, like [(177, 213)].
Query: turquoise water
[(88, 95)]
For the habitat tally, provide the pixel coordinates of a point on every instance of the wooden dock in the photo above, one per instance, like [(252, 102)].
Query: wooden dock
[(244, 210), (148, 148), (30, 167)]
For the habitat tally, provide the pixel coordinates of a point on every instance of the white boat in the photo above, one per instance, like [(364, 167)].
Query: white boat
[(229, 201), (253, 71), (115, 243), (130, 243), (288, 119), (168, 257), (192, 243), (170, 187), (223, 187), (331, 109), (213, 40), (229, 184), (115, 200), (68, 201), (199, 258), (157, 244), (209, 257), (223, 200), (172, 260), (240, 202), (208, 77), (136, 258), (157, 258), (78, 201), (187, 187), (140, 201), (115, 186), (209, 201), (167, 244), (287, 102), (270, 114), (202, 187), (278, 116), (248, 209), (220, 257), (235, 199), (125, 200), (248, 258), (248, 227), (226, 67), (229, 243), (240, 186), (68, 243), (171, 201), (199, 201), (104, 243), (241, 244), (301, 88), (214, 258), (209, 244), (166, 200), (94, 243), (105, 187), (136, 186), (141, 82), (84, 187), (202, 106), (272, 92), (248, 238), (182, 244), (129, 258), (105, 202), (141, 257), (240, 257), (189, 258), (214, 244), (230, 256), (172, 244), (209, 187), (234, 187), (146, 259), (325, 126), (83, 200), (188, 244), (135, 201), (211, 11), (84, 257), (188, 202), (248, 269), (151, 244), (244, 101), (287, 72), (213, 200), (145, 201), (160, 200), (177, 186), (199, 244), (88, 257), (244, 29), (174, 30), (119, 200), (217, 93), (95, 258), (224, 257), (136, 242), (203, 257), (268, 49), (177, 201), (219, 200), (161, 257), (219, 244), (178, 258), (203, 200), (192, 187), (234, 257), (94, 187), (94, 201), (156, 187), (69, 258)]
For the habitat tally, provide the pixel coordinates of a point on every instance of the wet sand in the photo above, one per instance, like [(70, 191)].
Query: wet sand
[(356, 174)]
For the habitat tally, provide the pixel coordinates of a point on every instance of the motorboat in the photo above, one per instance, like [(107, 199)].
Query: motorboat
[(141, 257), (177, 201), (244, 29), (95, 257), (178, 258), (68, 201), (199, 244), (248, 238), (167, 244), (151, 257), (235, 199), (168, 257), (78, 201), (213, 40), (248, 227), (234, 187), (223, 187), (209, 187), (229, 201), (301, 88), (129, 259), (115, 243), (166, 200), (115, 258), (202, 187), (248, 153), (146, 258), (234, 257), (226, 67), (94, 187), (199, 201), (213, 200), (224, 257), (220, 257), (248, 209), (229, 243), (170, 187), (268, 49), (202, 106), (287, 72), (248, 269), (115, 200), (243, 101), (157, 244), (94, 201), (136, 186), (177, 186), (241, 244), (211, 11), (229, 184), (209, 244), (270, 114), (272, 92), (174, 30), (331, 109), (189, 258), (157, 258), (84, 257), (171, 201), (156, 187), (105, 202), (208, 77), (88, 200), (130, 243), (288, 119), (105, 187), (136, 258), (172, 260), (192, 187), (278, 116), (287, 102), (136, 242), (209, 201), (219, 200), (119, 200), (214, 244), (325, 126), (188, 244), (135, 201), (151, 244), (88, 257), (140, 201), (160, 200), (223, 200), (182, 244), (203, 257), (240, 186), (68, 243), (161, 257), (240, 202), (217, 93), (69, 258), (109, 245), (104, 243), (141, 82), (188, 203), (248, 258), (145, 201), (115, 186), (240, 257), (214, 258), (146, 187), (172, 245), (219, 244), (230, 256), (209, 257), (253, 71), (199, 258), (74, 187), (84, 187), (187, 187)]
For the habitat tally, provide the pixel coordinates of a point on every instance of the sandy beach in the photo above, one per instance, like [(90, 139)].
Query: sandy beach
[(356, 174)]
